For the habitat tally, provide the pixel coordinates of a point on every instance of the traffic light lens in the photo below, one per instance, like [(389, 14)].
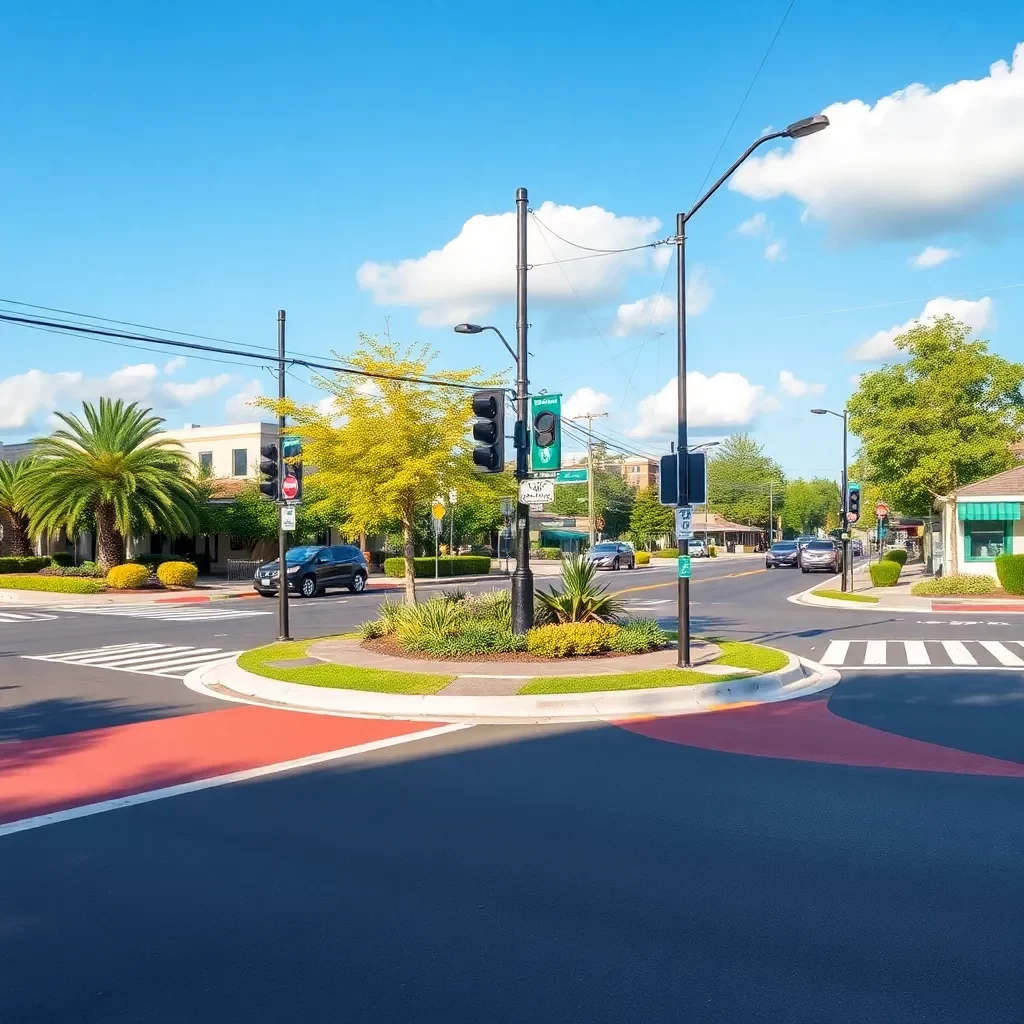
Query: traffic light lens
[(487, 458), (544, 429), (486, 432), (485, 405)]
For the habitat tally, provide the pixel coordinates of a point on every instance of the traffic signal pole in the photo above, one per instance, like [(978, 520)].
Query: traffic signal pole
[(683, 592), (282, 537), (846, 508), (522, 578)]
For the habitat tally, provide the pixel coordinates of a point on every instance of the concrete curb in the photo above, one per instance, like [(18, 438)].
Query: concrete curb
[(928, 605), (226, 681)]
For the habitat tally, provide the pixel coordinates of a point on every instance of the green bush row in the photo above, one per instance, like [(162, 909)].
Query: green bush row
[(895, 555), (56, 584), (666, 553), (449, 565), (885, 573), (24, 563), (1010, 570), (954, 586), (551, 553)]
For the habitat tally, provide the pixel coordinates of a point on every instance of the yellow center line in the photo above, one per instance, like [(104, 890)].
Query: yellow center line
[(704, 579)]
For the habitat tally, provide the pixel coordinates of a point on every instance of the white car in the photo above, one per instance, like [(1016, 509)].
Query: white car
[(698, 549)]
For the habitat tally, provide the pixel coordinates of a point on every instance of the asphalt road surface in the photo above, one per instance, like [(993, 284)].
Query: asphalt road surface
[(851, 857)]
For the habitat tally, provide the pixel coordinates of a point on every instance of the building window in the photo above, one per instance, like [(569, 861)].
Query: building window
[(206, 462), (239, 462), (984, 539)]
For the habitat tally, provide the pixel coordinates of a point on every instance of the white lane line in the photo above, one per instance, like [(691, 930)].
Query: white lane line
[(165, 658), (875, 653), (917, 652), (119, 657), (836, 653), (1001, 653), (958, 653), (87, 810)]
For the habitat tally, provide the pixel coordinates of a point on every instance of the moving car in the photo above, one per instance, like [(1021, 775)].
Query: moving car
[(821, 555), (782, 552), (312, 568), (802, 542), (857, 547), (698, 549), (612, 554)]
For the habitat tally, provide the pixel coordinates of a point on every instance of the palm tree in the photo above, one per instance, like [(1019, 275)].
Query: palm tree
[(13, 519), (114, 470)]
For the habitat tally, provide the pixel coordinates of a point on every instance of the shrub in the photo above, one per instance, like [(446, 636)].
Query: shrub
[(61, 559), (129, 576), (666, 553), (57, 584), (885, 573), (643, 558), (954, 586), (177, 574), (23, 563), (455, 595), (895, 555), (550, 553), (638, 636), (85, 569), (450, 565), (712, 551), (494, 606), (152, 561), (1010, 570), (566, 639), (581, 599)]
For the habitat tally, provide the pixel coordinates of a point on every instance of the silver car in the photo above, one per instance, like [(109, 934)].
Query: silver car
[(612, 554)]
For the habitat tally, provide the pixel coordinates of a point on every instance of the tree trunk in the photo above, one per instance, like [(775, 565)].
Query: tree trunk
[(407, 551), (109, 542), (15, 539)]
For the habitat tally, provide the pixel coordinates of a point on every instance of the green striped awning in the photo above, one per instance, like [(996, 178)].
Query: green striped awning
[(988, 510)]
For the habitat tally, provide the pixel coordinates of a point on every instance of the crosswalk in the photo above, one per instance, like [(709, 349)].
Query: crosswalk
[(162, 660), (25, 617), (169, 613), (924, 654)]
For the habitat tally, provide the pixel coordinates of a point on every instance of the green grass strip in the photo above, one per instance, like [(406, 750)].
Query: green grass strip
[(627, 681), (750, 656), (54, 584), (844, 595), (339, 677)]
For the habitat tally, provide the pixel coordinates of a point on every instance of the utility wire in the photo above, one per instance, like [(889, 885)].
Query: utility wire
[(590, 248)]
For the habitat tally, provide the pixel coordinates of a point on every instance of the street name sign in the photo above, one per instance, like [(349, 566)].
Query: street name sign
[(684, 522), (562, 476), (684, 567), (536, 492)]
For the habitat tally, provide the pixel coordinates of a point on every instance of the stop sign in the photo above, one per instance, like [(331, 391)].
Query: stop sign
[(881, 510), (289, 487)]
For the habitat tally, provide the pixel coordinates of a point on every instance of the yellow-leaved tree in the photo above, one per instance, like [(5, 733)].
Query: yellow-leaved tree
[(386, 447)]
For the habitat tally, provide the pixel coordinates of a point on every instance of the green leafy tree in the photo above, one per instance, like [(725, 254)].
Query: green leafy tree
[(808, 504), (649, 519), (14, 520), (939, 420), (613, 501), (250, 518), (739, 475), (399, 445), (113, 467)]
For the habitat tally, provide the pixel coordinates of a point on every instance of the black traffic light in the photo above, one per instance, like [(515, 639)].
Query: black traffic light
[(291, 481), (268, 467), (853, 503), (489, 430)]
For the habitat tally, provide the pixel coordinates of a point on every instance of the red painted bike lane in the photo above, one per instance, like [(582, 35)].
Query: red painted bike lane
[(54, 774)]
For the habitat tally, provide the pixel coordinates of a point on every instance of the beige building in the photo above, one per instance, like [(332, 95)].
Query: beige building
[(639, 472)]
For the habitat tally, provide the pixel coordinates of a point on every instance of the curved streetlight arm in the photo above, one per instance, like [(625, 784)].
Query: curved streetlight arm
[(504, 342), (725, 177)]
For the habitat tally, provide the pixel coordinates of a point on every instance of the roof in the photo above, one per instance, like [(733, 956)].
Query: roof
[(1009, 482), (719, 524)]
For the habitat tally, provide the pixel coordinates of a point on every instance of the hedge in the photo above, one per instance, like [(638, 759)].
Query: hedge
[(885, 573), (450, 565), (896, 555), (643, 558), (552, 553), (62, 559), (666, 553), (57, 584), (23, 563), (954, 586), (1010, 570), (129, 576)]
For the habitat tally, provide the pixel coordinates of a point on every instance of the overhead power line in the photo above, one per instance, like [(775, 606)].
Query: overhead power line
[(590, 248)]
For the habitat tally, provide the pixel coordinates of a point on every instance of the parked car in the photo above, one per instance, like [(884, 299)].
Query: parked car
[(782, 552), (857, 547), (312, 568), (698, 549), (821, 555), (612, 554)]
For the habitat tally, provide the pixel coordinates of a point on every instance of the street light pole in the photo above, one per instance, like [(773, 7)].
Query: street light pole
[(844, 504), (797, 130)]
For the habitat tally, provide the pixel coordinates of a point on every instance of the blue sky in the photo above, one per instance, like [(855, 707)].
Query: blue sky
[(196, 167)]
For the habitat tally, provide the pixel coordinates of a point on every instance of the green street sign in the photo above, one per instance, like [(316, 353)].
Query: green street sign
[(545, 432), (684, 567), (571, 476)]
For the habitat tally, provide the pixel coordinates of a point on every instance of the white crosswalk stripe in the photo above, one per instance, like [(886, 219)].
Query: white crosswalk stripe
[(143, 659), (170, 613), (25, 617), (922, 654)]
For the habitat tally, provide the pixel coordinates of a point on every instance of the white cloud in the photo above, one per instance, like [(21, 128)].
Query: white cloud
[(977, 316), (25, 395), (475, 271), (791, 385), (585, 400), (722, 400), (238, 407), (855, 379), (660, 308), (754, 226), (175, 364), (775, 251), (193, 390), (915, 162), (931, 256), (662, 256)]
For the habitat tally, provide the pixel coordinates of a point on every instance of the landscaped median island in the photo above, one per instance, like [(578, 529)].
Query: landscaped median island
[(56, 574), (845, 595)]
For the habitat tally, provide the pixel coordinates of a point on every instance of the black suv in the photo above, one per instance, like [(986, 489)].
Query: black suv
[(311, 569)]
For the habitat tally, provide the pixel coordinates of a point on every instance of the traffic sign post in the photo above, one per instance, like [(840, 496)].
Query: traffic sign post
[(684, 567), (536, 492), (684, 522), (289, 487), (287, 517), (881, 510)]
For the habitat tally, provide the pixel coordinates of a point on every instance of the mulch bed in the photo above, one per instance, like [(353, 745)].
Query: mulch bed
[(388, 645)]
